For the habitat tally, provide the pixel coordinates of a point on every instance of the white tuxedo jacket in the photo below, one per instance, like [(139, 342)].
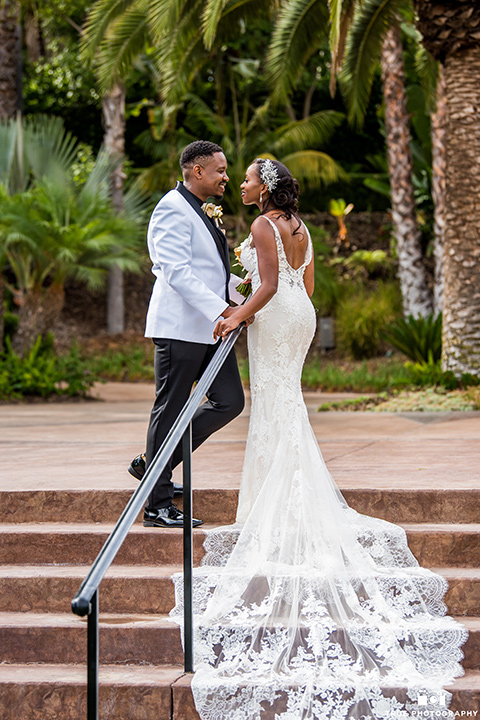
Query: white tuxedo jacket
[(189, 263)]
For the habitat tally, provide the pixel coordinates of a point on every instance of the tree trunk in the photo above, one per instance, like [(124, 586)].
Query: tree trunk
[(438, 188), (113, 105), (461, 314), (2, 309), (10, 58), (415, 293), (37, 315), (33, 34)]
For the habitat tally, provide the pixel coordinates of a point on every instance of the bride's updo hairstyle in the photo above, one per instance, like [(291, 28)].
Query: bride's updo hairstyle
[(282, 186)]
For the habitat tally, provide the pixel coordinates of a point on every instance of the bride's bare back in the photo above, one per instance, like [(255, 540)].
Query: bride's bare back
[(295, 241)]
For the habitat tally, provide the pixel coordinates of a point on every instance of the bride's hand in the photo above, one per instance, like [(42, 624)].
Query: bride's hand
[(226, 325)]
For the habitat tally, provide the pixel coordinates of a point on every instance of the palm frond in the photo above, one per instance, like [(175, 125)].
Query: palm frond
[(308, 133), (427, 71), (341, 15), (125, 41), (136, 203), (97, 186), (163, 15), (100, 17), (180, 55), (317, 168), (370, 23), (300, 27), (238, 13), (49, 148), (8, 142), (210, 19), (214, 123)]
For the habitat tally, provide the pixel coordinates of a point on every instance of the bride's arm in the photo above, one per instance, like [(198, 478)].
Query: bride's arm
[(267, 256), (309, 278)]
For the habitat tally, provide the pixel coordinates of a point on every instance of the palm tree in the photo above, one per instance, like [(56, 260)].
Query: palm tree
[(10, 58), (450, 33), (113, 61)]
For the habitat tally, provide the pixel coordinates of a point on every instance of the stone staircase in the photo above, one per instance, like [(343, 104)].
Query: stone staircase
[(43, 645)]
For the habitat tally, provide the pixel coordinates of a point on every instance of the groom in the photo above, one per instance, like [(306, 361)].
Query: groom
[(191, 264)]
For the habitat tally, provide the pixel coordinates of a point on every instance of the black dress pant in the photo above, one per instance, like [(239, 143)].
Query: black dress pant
[(178, 364)]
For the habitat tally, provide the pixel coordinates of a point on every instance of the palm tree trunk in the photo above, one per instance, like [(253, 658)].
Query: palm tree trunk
[(415, 293), (438, 188), (10, 58), (113, 105), (2, 309), (461, 315), (37, 315)]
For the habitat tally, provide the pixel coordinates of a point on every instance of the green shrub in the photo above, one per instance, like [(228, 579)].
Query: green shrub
[(327, 287), (40, 373), (362, 318), (370, 264), (130, 365), (420, 339), (424, 374), (428, 374)]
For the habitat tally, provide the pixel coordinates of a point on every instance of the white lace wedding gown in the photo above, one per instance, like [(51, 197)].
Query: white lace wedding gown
[(305, 609)]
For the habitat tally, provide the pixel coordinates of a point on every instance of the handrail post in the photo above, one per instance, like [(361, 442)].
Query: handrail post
[(92, 659), (187, 548)]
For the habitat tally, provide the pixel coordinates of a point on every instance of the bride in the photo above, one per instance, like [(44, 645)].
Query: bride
[(305, 609)]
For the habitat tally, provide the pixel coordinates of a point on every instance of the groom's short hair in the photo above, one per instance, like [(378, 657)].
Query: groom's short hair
[(197, 151)]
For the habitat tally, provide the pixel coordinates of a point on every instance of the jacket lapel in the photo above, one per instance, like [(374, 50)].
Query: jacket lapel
[(216, 233)]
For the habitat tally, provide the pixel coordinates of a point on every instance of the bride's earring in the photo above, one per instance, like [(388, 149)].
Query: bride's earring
[(260, 197)]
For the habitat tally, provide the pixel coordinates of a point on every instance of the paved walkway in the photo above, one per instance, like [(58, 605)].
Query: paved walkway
[(88, 445)]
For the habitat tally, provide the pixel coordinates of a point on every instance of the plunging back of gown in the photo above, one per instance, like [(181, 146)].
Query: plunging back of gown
[(305, 609)]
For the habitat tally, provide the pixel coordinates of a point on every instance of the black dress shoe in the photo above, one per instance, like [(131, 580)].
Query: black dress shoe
[(170, 516), (137, 469)]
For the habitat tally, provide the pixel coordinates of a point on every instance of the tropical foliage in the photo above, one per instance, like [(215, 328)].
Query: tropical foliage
[(53, 228), (420, 339)]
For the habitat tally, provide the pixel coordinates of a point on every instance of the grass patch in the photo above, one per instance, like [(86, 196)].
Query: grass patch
[(364, 402), (435, 399), (375, 375)]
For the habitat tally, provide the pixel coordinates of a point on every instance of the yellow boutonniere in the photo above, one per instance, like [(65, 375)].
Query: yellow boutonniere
[(213, 211)]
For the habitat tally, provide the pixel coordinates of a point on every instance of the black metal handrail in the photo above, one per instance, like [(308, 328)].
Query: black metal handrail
[(86, 600)]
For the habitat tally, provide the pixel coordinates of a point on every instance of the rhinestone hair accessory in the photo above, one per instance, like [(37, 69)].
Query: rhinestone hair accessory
[(269, 174)]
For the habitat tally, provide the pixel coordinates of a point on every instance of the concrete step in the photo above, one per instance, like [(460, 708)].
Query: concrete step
[(444, 544), (76, 544), (465, 697), (149, 589), (61, 638), (58, 692), (125, 588), (50, 692), (124, 639), (69, 544), (463, 594), (217, 505)]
